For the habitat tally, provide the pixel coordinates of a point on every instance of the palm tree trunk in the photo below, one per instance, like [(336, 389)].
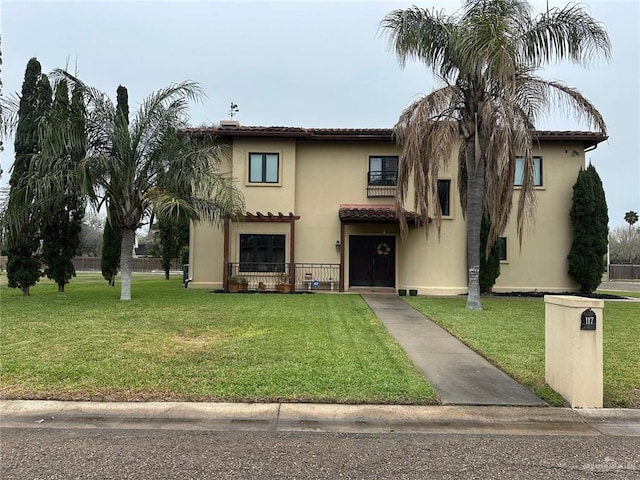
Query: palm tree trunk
[(475, 192), (126, 262)]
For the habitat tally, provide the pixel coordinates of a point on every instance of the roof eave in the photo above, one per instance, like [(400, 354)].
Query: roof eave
[(589, 139)]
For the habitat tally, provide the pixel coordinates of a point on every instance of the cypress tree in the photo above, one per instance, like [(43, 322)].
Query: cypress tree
[(23, 243), (26, 141), (174, 236), (61, 227), (589, 219), (489, 265), (601, 217), (111, 242), (112, 237)]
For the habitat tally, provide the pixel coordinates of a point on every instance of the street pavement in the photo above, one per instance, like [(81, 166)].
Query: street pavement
[(29, 454), (620, 285)]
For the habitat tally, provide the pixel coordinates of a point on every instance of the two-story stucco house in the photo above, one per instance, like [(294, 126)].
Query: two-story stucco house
[(320, 211)]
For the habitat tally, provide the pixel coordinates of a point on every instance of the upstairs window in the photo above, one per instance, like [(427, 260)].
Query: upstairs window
[(444, 196), (537, 171), (264, 167), (383, 170)]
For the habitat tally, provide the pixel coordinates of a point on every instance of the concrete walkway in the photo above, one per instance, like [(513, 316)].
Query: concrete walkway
[(459, 375)]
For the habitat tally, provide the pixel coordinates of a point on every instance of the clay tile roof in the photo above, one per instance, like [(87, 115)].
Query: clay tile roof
[(376, 134), (372, 213), (380, 134)]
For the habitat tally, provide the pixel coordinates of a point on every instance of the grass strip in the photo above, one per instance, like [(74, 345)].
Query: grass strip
[(509, 332)]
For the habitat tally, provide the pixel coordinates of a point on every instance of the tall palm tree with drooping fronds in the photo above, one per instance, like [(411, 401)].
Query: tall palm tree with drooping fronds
[(142, 165), (486, 56)]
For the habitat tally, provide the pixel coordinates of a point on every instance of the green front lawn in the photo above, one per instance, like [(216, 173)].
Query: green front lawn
[(171, 343), (510, 333)]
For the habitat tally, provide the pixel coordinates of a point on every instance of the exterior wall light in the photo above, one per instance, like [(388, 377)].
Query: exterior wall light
[(337, 245)]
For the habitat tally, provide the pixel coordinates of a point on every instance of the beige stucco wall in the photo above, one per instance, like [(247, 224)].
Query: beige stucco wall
[(265, 198), (328, 175), (206, 242), (316, 177), (435, 264), (206, 256), (542, 264)]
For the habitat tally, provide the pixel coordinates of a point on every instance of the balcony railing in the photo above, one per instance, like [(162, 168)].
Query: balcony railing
[(308, 277), (381, 184)]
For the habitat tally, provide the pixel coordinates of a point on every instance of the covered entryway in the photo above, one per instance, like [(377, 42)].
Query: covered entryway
[(370, 231), (372, 261)]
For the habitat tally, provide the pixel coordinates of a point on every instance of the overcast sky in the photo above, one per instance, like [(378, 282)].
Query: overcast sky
[(299, 63)]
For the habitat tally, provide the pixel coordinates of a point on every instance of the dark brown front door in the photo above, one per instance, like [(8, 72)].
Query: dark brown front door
[(372, 261)]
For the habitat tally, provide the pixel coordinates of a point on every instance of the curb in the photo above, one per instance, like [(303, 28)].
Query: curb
[(304, 417)]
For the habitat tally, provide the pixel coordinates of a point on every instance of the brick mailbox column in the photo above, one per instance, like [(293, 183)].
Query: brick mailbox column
[(573, 348)]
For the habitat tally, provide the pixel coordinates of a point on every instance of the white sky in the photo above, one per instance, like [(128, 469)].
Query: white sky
[(299, 63)]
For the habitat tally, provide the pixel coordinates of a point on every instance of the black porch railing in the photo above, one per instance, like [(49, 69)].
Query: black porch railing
[(268, 277), (381, 184), (317, 276)]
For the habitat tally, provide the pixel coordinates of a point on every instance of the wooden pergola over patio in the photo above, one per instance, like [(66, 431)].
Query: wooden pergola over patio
[(262, 218)]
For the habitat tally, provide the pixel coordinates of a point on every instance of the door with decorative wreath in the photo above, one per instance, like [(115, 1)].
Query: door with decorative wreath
[(372, 261)]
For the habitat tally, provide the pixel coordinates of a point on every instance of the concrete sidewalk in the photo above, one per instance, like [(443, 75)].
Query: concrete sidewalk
[(459, 375), (301, 417)]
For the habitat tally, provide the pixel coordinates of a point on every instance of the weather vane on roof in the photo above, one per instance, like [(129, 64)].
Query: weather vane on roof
[(233, 110)]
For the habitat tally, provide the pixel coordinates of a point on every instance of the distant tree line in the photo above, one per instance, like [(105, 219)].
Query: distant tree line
[(624, 242)]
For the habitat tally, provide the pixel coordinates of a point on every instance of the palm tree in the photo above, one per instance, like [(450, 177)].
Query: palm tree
[(142, 166), (486, 57), (631, 218)]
